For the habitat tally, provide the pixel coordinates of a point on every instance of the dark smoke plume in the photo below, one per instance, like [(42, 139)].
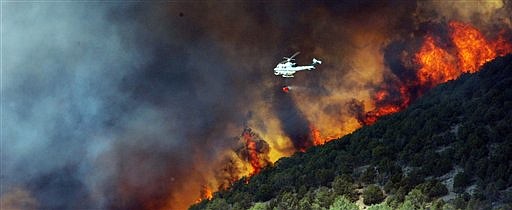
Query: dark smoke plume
[(134, 106), (356, 108), (294, 122)]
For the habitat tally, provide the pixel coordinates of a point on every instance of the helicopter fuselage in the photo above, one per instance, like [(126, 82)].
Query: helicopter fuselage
[(287, 68)]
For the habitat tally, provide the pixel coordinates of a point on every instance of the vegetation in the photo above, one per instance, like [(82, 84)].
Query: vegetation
[(372, 195), (448, 150), (341, 203)]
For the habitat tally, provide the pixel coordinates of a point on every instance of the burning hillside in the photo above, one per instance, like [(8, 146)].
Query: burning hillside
[(148, 106), (465, 50), (440, 58)]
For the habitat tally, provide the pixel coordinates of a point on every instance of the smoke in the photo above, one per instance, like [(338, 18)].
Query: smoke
[(229, 172), (18, 199), (478, 11), (135, 106), (356, 108), (60, 100), (293, 120)]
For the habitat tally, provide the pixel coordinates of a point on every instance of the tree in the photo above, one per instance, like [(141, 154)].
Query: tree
[(437, 204), (433, 189), (448, 206), (305, 203), (264, 193), (324, 197), (259, 206), (459, 202), (369, 175), (343, 185), (475, 204), (417, 199), (287, 200), (342, 203), (382, 206), (218, 203), (407, 205), (460, 181), (372, 195), (242, 199), (491, 192), (323, 176)]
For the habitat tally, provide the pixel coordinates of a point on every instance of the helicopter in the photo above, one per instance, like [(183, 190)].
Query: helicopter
[(287, 68)]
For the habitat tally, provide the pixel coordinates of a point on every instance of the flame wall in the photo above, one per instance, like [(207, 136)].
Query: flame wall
[(145, 106)]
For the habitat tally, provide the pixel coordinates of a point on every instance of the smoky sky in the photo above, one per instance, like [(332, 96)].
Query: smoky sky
[(131, 106), (112, 106)]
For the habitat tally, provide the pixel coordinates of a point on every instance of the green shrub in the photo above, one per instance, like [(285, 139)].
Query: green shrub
[(372, 195)]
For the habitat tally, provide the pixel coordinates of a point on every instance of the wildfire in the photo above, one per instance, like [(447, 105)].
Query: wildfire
[(372, 116), (316, 137), (253, 153), (439, 63), (473, 50), (206, 194), (381, 95), (436, 61)]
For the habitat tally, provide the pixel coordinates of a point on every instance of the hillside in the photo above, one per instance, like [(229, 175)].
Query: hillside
[(451, 149)]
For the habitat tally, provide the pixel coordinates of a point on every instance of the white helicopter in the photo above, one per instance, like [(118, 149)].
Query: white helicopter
[(287, 68)]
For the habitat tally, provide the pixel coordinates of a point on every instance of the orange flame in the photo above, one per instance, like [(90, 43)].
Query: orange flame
[(252, 149), (316, 137), (372, 116), (206, 194), (473, 50), (381, 95), (437, 64)]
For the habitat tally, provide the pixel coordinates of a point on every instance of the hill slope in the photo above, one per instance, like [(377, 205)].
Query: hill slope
[(451, 149)]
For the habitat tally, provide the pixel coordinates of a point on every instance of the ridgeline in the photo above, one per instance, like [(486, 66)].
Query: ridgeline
[(450, 149)]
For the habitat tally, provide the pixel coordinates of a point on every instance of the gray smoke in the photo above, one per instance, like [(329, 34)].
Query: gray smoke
[(133, 106), (114, 106), (62, 66)]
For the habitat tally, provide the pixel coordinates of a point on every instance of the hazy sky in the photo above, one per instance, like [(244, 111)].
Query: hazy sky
[(110, 105)]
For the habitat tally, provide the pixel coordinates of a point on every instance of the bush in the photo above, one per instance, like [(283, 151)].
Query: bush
[(372, 195), (343, 185), (381, 206), (342, 203), (369, 175), (218, 203), (259, 206), (287, 200), (324, 197), (416, 198), (433, 189), (460, 182), (264, 193)]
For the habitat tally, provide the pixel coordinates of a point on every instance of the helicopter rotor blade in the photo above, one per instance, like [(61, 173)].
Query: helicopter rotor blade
[(294, 55)]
